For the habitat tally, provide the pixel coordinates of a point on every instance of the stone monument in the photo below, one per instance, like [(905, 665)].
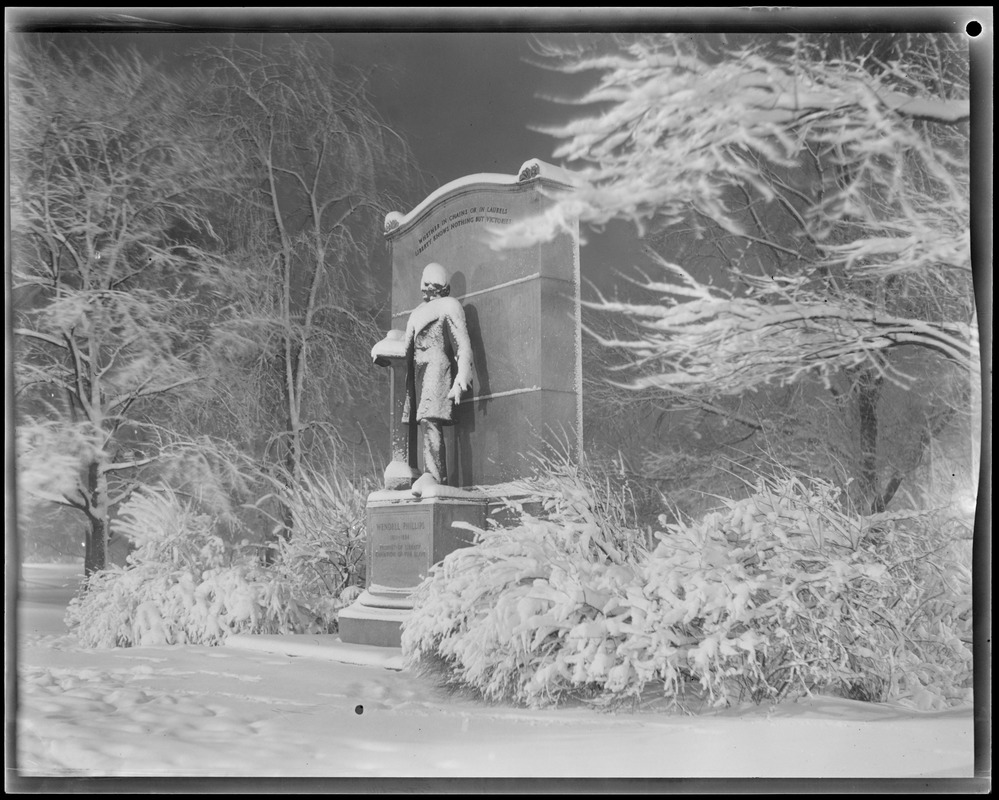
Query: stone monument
[(485, 346)]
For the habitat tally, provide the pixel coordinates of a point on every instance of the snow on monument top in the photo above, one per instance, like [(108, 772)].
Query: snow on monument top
[(532, 169)]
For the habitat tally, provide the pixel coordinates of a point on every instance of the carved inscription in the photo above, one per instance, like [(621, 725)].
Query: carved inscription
[(395, 540), (400, 548), (482, 215)]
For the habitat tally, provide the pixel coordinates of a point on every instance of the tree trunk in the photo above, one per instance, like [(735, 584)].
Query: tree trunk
[(868, 393), (932, 430), (292, 472), (882, 500), (293, 451), (96, 553)]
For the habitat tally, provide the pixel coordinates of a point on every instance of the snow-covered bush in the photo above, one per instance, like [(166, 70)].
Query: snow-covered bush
[(141, 605), (929, 557), (583, 492), (783, 593), (181, 584), (322, 561), (509, 616), (774, 596)]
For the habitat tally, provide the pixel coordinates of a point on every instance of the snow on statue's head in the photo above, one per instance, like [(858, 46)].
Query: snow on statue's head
[(434, 282)]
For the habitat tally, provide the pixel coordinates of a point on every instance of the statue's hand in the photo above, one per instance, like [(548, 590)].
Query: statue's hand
[(458, 388)]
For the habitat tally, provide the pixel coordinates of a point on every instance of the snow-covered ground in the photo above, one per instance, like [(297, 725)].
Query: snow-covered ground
[(249, 709)]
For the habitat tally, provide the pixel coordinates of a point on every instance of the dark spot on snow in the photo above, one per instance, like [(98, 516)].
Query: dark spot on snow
[(358, 709)]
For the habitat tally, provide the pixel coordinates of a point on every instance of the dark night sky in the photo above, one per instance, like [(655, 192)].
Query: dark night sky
[(464, 100)]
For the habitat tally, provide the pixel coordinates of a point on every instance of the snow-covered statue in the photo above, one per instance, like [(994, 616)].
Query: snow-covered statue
[(438, 357)]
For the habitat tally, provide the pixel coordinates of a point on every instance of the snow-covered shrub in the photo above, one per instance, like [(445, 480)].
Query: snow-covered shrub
[(140, 605), (772, 596), (514, 615), (582, 492), (928, 554), (181, 584), (776, 595), (875, 608), (322, 561)]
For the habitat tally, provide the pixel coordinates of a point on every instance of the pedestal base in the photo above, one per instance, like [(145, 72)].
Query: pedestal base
[(372, 625), (406, 536)]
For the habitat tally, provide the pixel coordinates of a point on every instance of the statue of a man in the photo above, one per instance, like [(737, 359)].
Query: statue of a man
[(439, 355)]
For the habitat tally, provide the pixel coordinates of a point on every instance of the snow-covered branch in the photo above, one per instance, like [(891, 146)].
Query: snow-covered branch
[(132, 463), (706, 340), (678, 131), (824, 181), (150, 391), (57, 341)]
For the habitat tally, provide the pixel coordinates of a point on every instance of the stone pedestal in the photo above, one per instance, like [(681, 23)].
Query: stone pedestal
[(406, 536)]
